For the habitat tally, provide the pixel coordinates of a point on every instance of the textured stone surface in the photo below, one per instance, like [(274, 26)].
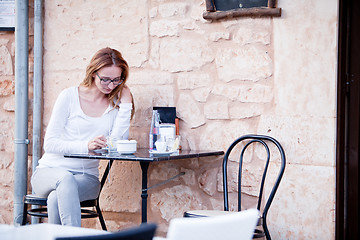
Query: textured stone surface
[(227, 131), (7, 86), (177, 55), (150, 78), (164, 171), (238, 111), (173, 9), (164, 28), (94, 31), (215, 37), (209, 187), (6, 67), (6, 203), (306, 147), (217, 110), (251, 63), (189, 111), (153, 95), (253, 31), (255, 93), (192, 81), (173, 202), (201, 94), (4, 41), (7, 123), (315, 53), (230, 92), (118, 196), (226, 78), (304, 198)]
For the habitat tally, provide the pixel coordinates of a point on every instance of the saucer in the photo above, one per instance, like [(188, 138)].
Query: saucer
[(126, 152), (161, 153)]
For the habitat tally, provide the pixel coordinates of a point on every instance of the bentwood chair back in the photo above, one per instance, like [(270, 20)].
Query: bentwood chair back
[(40, 203), (244, 143), (143, 232)]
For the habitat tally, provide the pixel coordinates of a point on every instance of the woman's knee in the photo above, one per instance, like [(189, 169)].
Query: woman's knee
[(52, 200), (45, 180), (67, 179)]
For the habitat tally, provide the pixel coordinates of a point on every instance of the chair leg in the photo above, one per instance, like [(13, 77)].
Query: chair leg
[(266, 230), (24, 217), (101, 218)]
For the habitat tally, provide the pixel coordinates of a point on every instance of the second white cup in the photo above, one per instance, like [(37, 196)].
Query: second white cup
[(160, 146)]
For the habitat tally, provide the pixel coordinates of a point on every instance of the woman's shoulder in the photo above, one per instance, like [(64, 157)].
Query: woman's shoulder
[(70, 91), (67, 95)]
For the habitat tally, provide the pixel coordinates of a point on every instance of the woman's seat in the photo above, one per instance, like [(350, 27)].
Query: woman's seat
[(41, 202)]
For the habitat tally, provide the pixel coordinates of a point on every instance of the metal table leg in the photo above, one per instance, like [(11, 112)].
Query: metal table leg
[(144, 169)]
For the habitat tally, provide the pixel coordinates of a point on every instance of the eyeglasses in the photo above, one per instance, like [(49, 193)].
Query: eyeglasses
[(106, 81)]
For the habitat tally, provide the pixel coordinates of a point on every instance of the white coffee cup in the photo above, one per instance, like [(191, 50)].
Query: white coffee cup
[(160, 146), (126, 146)]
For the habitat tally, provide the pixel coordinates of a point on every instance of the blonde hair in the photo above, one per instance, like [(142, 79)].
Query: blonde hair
[(109, 57)]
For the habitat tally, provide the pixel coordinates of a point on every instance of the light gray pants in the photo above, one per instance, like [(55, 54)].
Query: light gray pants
[(64, 190)]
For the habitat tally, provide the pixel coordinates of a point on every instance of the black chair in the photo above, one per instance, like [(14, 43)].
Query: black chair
[(143, 232), (248, 140), (41, 210)]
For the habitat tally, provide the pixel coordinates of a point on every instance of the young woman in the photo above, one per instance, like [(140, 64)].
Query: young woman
[(82, 118)]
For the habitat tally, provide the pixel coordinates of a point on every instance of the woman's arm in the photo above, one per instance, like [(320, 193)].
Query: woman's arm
[(121, 125), (58, 120)]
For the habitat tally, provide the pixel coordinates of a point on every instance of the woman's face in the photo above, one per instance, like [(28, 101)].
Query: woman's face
[(107, 78)]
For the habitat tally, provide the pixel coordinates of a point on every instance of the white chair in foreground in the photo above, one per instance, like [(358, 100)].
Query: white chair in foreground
[(238, 225)]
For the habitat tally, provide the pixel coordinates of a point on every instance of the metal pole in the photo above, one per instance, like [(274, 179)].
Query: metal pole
[(37, 83), (37, 107), (21, 106)]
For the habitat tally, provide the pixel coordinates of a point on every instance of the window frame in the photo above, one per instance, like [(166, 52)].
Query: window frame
[(212, 14)]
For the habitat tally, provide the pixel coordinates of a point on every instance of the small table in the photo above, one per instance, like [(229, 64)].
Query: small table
[(143, 156)]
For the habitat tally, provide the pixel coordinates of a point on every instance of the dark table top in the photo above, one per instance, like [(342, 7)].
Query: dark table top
[(143, 155)]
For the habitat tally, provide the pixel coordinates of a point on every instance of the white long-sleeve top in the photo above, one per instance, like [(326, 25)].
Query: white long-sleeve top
[(70, 129)]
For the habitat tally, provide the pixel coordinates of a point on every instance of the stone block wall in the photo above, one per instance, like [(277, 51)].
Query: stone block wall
[(7, 120), (7, 115), (226, 78)]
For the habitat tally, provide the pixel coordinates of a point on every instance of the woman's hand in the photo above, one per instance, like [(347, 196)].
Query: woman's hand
[(97, 143), (126, 96)]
